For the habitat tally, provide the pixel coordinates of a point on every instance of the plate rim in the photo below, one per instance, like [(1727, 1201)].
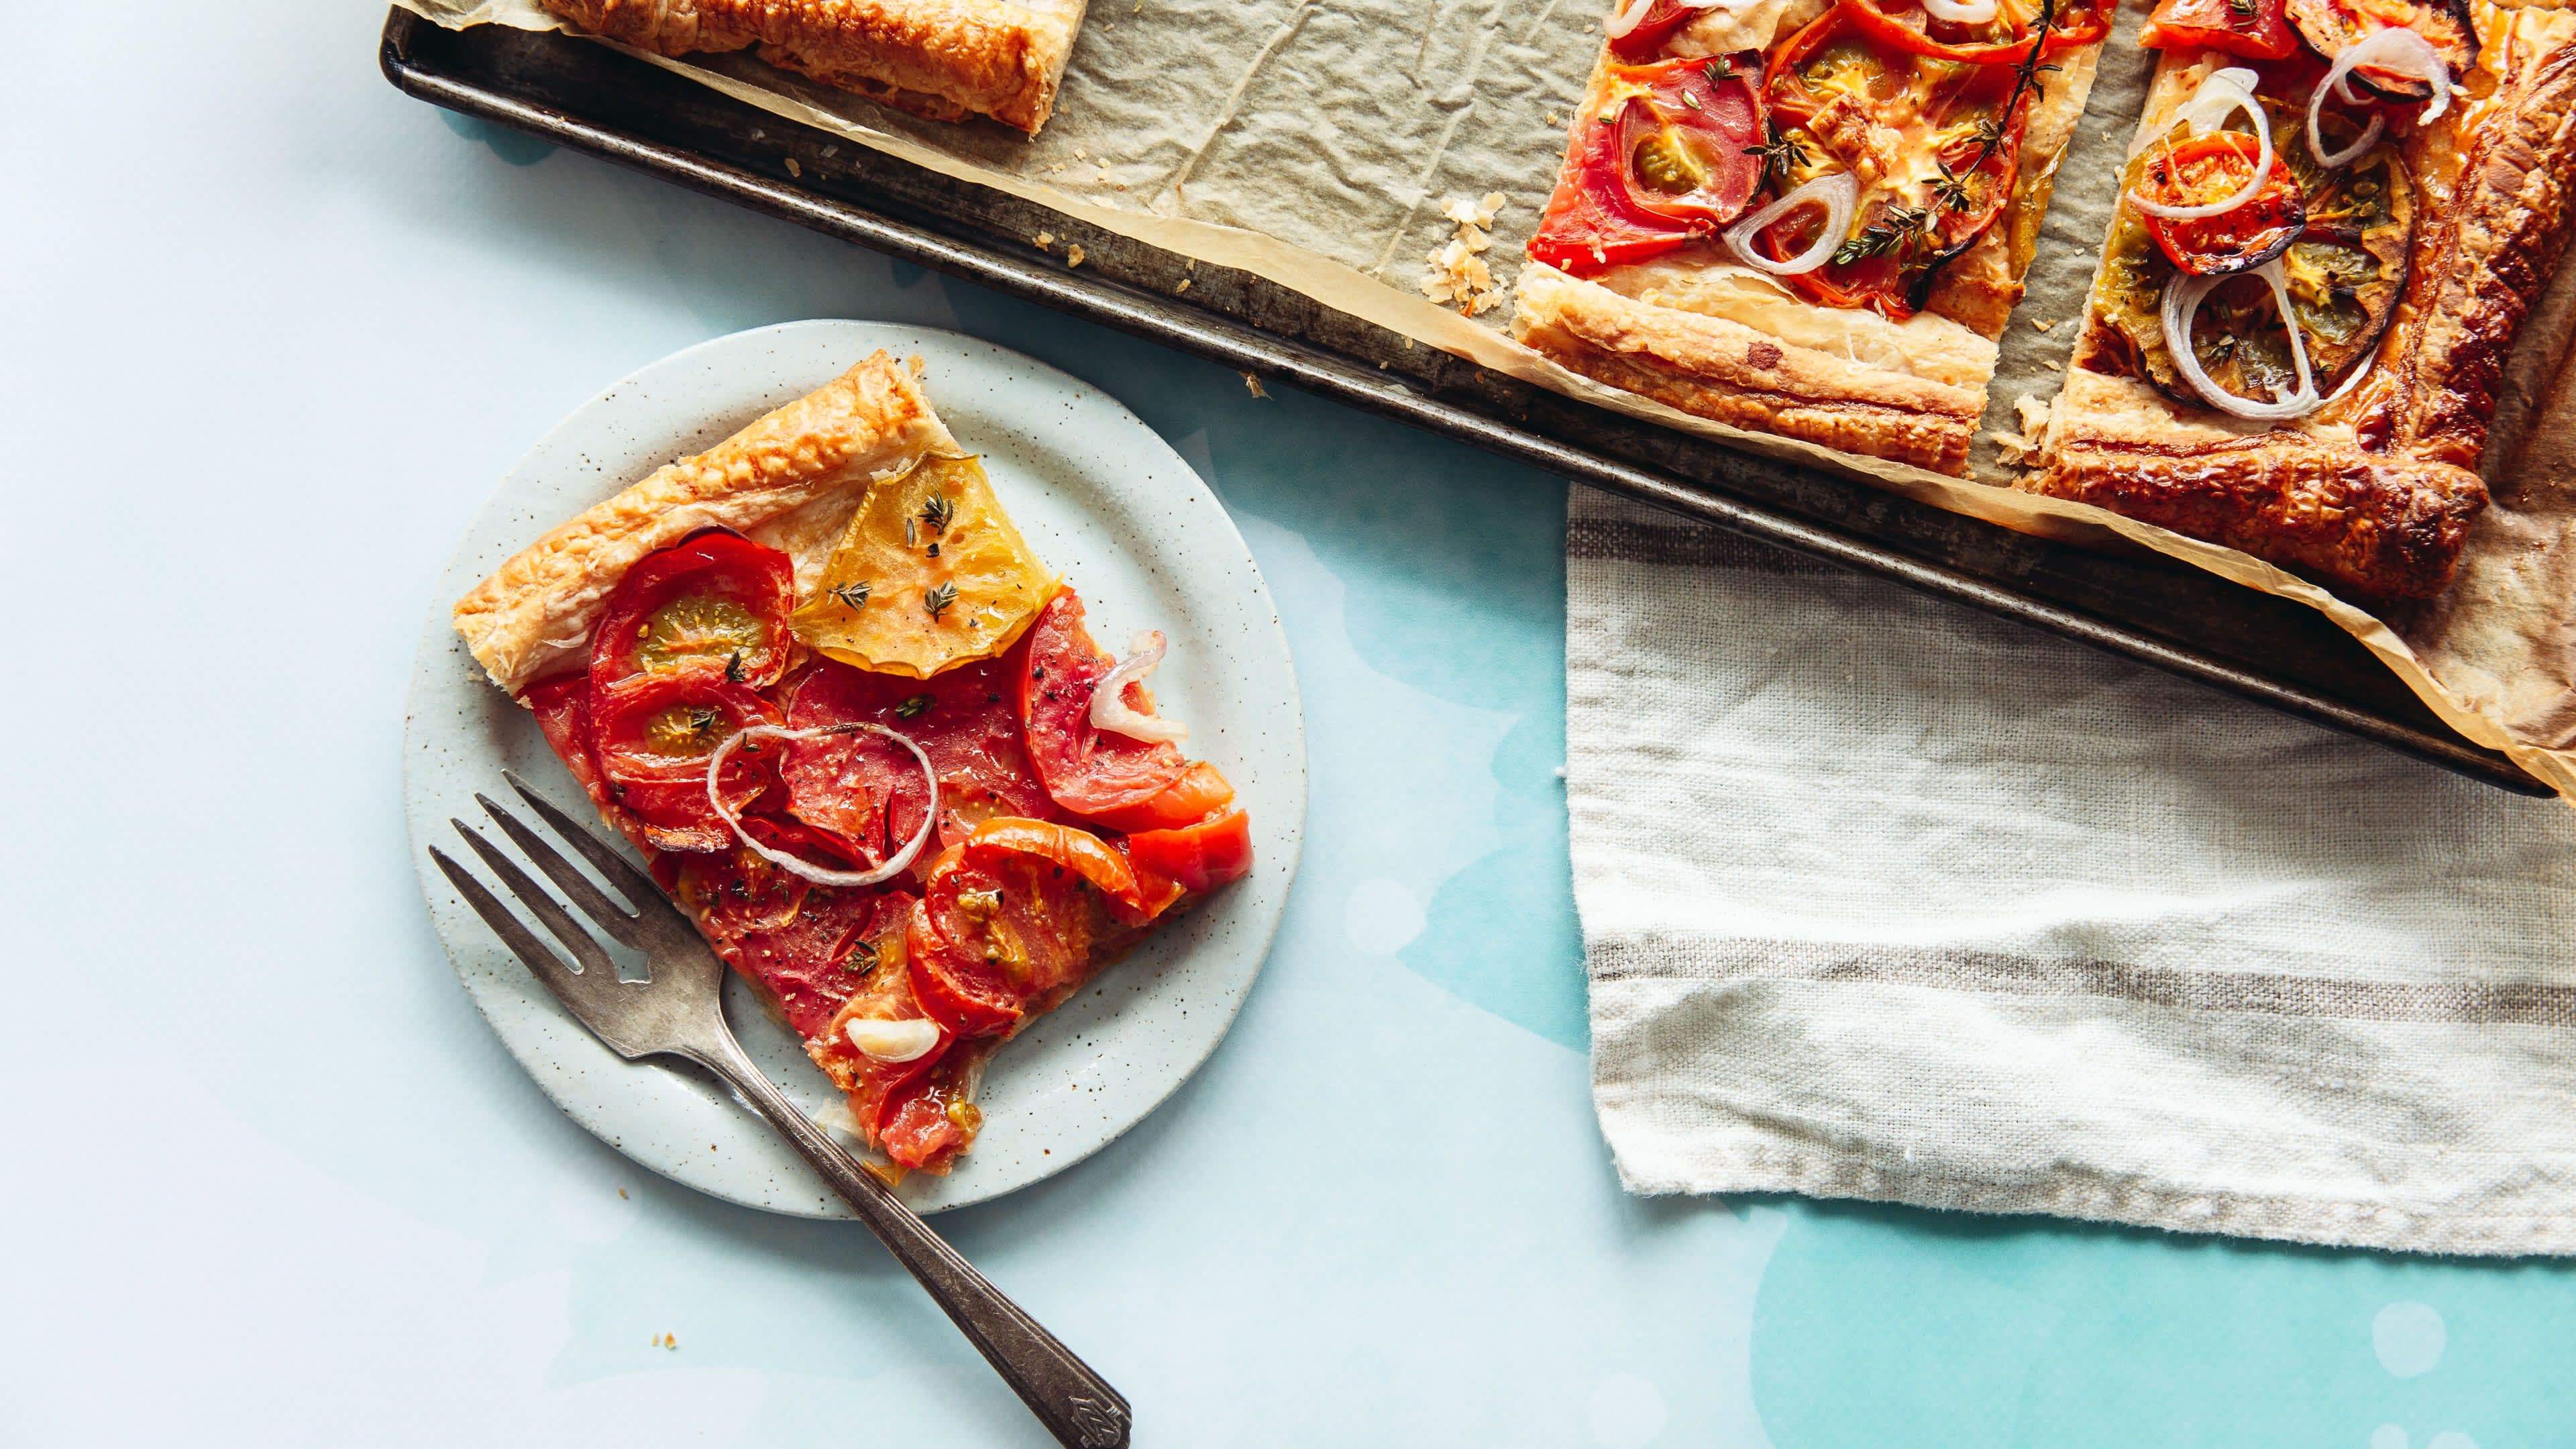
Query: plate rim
[(435, 648)]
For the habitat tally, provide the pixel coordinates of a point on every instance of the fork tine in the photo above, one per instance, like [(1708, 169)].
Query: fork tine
[(596, 968), (594, 902), (635, 885), (523, 943)]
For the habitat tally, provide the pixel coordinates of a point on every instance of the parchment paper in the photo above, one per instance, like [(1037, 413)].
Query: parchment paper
[(1316, 143)]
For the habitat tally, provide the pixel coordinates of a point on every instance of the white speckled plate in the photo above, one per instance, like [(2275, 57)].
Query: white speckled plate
[(1105, 502)]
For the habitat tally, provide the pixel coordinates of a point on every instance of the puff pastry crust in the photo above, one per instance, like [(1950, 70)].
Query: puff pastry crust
[(944, 59), (1751, 377), (791, 480), (2376, 494)]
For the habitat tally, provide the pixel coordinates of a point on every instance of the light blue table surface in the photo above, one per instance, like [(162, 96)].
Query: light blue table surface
[(269, 333)]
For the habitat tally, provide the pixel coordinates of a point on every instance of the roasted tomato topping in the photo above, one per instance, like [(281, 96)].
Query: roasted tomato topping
[(1843, 98), (2331, 25), (811, 962), (929, 1120), (1084, 769), (2204, 169), (1008, 921), (715, 602), (2006, 40), (2254, 29), (1661, 22), (1671, 154), (868, 789), (2346, 268), (1198, 794), (1197, 858), (652, 735)]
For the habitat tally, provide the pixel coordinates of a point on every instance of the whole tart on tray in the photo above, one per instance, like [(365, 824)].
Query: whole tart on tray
[(864, 740), (2302, 364)]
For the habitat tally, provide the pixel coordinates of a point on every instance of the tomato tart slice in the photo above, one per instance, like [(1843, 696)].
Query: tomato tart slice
[(1809, 217), (2336, 217), (865, 739)]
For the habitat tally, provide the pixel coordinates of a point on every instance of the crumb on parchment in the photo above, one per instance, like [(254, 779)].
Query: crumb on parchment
[(1073, 255), (793, 169), (2042, 324), (1044, 240), (1183, 287), (1253, 385), (1458, 273), (2018, 449)]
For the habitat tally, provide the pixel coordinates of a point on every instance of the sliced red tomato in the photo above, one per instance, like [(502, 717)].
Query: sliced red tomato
[(1084, 769), (868, 789), (2254, 29), (2211, 168), (739, 891), (815, 959), (926, 1123), (1669, 155), (652, 735), (1912, 30), (1662, 20), (713, 601), (1064, 847), (562, 708), (1199, 793), (954, 989), (1197, 858), (1002, 932)]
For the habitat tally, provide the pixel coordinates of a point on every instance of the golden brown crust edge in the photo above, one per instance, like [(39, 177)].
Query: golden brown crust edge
[(938, 58), (791, 479), (2487, 266), (2386, 527), (1734, 374), (2384, 524)]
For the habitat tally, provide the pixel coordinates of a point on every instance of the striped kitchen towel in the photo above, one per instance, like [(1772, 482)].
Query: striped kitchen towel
[(1883, 898)]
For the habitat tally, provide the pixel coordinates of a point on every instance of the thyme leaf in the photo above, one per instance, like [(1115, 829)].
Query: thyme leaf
[(938, 512), (853, 595), (939, 600), (913, 708)]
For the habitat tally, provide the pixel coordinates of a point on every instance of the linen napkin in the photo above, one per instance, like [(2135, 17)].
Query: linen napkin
[(1884, 898)]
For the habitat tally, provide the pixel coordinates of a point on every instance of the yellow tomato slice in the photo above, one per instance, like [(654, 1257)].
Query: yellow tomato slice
[(930, 574)]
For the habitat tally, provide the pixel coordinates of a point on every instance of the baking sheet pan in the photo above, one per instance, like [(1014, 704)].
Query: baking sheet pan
[(591, 99)]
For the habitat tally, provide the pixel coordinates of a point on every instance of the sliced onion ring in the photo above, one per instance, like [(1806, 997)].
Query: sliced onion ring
[(1975, 12), (2183, 296), (2396, 50), (902, 859), (1839, 194), (2226, 92), (1109, 709)]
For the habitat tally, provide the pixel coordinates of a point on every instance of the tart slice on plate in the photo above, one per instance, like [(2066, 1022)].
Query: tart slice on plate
[(2336, 218), (865, 739)]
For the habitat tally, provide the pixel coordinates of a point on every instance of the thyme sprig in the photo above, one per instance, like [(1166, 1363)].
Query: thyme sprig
[(939, 600), (1781, 154), (937, 511), (2026, 74), (1894, 230), (854, 594)]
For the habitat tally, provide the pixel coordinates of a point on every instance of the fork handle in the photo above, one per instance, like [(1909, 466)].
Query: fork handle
[(1077, 1405)]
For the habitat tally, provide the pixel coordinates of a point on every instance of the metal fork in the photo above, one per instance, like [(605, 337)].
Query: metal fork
[(679, 1013)]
